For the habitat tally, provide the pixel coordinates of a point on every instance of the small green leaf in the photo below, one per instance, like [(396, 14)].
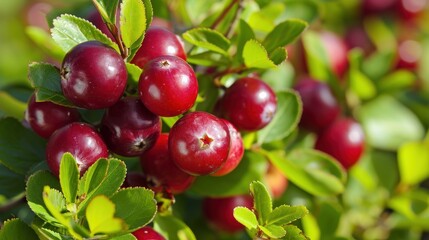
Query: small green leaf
[(255, 55), (11, 183), (136, 206), (273, 231), (46, 80), (133, 21), (252, 167), (286, 118), (173, 228), (245, 33), (170, 121), (100, 216), (285, 214), (56, 203), (397, 81), (103, 177), (246, 217), (294, 233), (13, 229), (69, 177), (20, 148), (261, 201), (392, 127), (70, 30), (413, 162), (134, 73), (284, 33), (148, 12), (208, 39), (107, 9), (35, 186), (278, 56)]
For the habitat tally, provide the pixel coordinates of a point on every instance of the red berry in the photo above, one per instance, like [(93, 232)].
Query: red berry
[(377, 6), (219, 212), (235, 152), (344, 140), (409, 55), (147, 233), (135, 179), (79, 139), (129, 128), (161, 171), (336, 49), (46, 117), (168, 86), (93, 75), (410, 9), (158, 42), (320, 108), (199, 143), (249, 104)]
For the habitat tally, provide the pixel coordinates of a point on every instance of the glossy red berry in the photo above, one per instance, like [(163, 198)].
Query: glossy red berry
[(168, 86), (344, 140), (235, 153), (128, 128), (147, 233), (160, 170), (320, 107), (158, 42), (93, 75), (336, 49), (249, 104), (46, 117), (219, 212), (199, 143), (79, 139)]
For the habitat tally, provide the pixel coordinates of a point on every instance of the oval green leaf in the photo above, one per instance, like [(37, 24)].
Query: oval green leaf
[(256, 56), (133, 21), (208, 39), (69, 177)]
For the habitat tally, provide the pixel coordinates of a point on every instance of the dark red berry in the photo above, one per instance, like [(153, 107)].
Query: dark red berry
[(344, 140), (336, 50), (147, 233), (235, 153), (135, 179), (219, 212), (128, 128), (158, 42), (168, 86), (160, 170), (320, 107), (93, 75), (377, 6), (249, 104), (199, 143), (79, 139), (46, 117)]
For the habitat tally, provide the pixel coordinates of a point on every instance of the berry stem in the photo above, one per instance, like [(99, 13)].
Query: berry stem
[(224, 13)]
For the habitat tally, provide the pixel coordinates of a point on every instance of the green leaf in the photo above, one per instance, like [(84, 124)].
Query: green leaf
[(328, 217), (35, 186), (397, 81), (100, 216), (262, 202), (283, 34), (305, 10), (413, 162), (137, 44), (273, 231), (11, 183), (286, 214), (16, 229), (286, 118), (70, 30), (136, 206), (134, 73), (294, 233), (46, 80), (252, 167), (107, 9), (55, 203), (263, 20), (170, 121), (313, 171), (278, 56), (45, 41), (360, 84), (173, 228), (103, 177), (256, 56), (316, 55), (208, 39), (246, 217), (69, 177), (390, 128), (148, 12), (133, 21), (245, 33)]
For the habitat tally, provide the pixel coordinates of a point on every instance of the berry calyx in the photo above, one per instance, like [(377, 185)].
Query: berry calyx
[(129, 128), (46, 117), (79, 139), (158, 42), (199, 143), (161, 172), (168, 86), (344, 140), (249, 104), (93, 75)]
